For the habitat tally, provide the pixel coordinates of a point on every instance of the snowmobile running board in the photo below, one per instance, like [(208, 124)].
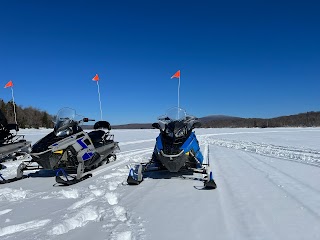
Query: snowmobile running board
[(69, 181), (10, 148)]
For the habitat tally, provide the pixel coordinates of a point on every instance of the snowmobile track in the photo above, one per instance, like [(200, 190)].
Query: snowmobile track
[(300, 155), (270, 196), (295, 189)]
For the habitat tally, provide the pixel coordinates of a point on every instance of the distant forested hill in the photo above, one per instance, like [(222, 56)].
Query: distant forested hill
[(34, 118), (308, 119), (26, 117)]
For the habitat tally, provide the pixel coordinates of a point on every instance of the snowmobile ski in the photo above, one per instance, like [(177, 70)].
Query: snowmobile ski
[(69, 180), (19, 176), (135, 175), (10, 180), (210, 184)]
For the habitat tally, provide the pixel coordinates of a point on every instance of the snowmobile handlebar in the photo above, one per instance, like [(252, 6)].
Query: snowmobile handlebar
[(156, 125), (196, 124), (88, 120)]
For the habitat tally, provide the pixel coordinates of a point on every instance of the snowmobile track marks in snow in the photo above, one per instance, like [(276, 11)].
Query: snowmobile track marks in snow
[(304, 156), (305, 195)]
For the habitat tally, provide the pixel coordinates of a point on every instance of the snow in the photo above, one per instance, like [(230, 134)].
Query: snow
[(268, 188)]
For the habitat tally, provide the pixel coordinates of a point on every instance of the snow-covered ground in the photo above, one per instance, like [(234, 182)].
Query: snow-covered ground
[(268, 188)]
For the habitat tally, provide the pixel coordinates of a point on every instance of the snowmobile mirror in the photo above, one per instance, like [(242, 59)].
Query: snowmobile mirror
[(196, 125), (156, 125)]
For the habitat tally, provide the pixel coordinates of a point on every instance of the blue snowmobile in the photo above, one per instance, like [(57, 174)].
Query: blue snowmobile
[(177, 149)]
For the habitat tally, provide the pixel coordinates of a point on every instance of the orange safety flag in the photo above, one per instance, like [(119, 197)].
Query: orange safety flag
[(96, 78), (9, 84), (176, 75)]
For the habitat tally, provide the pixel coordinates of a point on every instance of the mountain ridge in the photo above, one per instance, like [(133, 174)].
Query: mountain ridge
[(306, 119)]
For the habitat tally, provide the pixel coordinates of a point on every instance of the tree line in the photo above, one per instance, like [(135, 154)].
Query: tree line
[(26, 117), (31, 117), (308, 119)]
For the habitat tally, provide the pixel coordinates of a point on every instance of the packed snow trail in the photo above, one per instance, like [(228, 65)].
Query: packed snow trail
[(302, 155), (272, 199), (294, 137)]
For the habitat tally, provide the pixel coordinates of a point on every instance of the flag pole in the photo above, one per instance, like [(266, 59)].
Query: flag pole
[(177, 75), (14, 107), (179, 93), (99, 99), (10, 84)]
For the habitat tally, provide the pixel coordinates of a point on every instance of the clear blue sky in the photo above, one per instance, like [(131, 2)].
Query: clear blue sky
[(239, 58)]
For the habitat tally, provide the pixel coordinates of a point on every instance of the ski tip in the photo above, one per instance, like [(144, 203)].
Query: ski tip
[(210, 185), (210, 176), (132, 181), (2, 167)]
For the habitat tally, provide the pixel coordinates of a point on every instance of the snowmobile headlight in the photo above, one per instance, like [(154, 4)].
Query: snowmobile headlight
[(64, 132), (180, 133), (169, 133)]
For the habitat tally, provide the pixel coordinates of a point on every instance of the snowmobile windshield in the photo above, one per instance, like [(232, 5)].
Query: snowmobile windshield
[(174, 114), (65, 120), (176, 122)]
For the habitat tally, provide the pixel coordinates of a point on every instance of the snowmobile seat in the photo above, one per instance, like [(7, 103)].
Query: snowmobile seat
[(12, 126), (5, 128), (3, 120), (102, 124), (96, 137), (5, 134)]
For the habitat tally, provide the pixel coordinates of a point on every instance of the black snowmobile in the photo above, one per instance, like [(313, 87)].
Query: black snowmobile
[(12, 145), (176, 150), (71, 150)]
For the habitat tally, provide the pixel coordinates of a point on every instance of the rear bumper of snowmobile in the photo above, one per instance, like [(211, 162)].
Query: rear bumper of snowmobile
[(107, 149), (6, 149)]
